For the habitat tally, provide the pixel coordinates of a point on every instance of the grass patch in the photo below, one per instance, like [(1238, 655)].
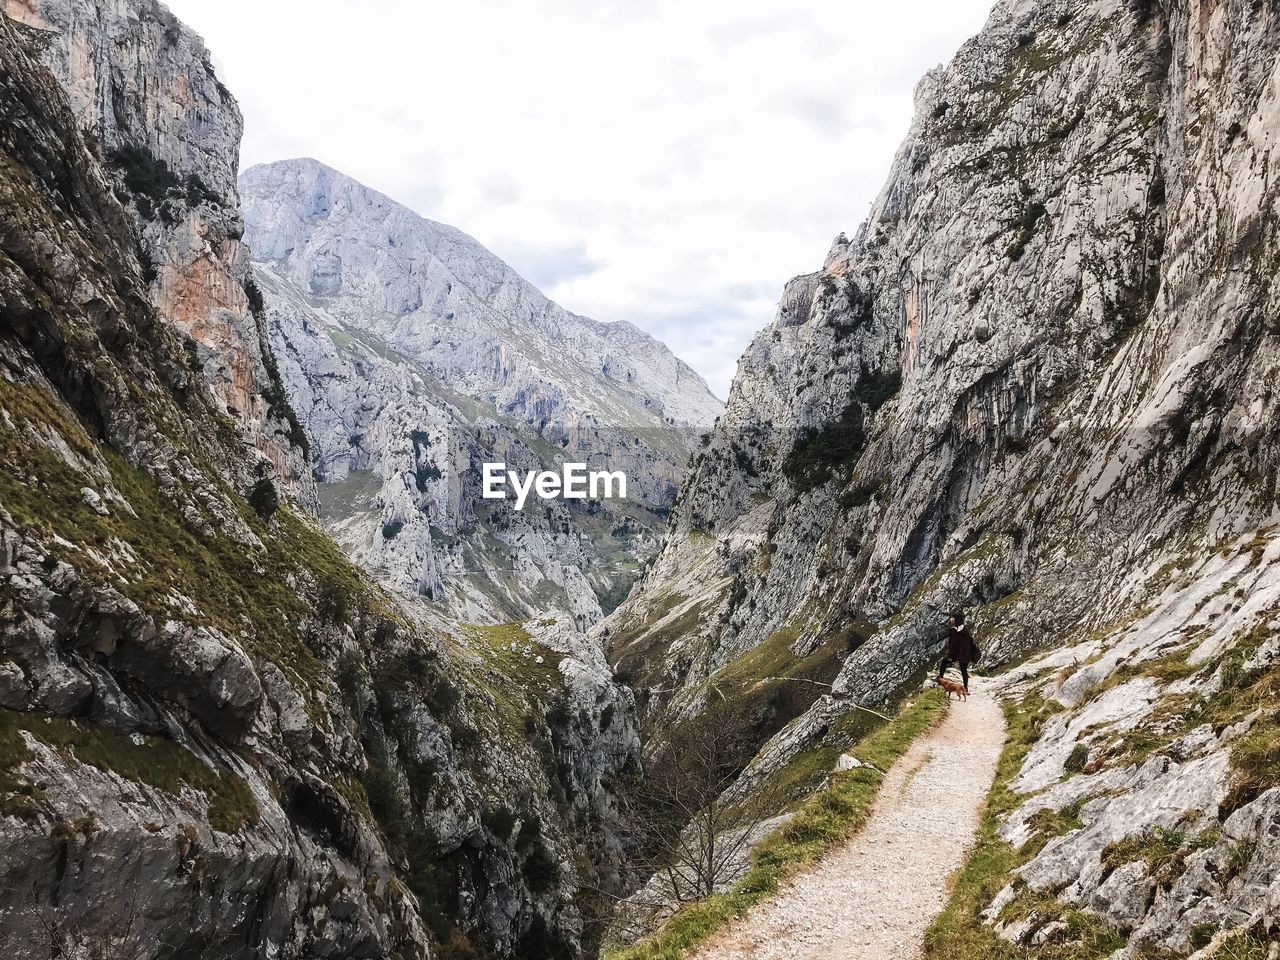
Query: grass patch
[(959, 932), (264, 599), (525, 696), (824, 820), (807, 769), (1161, 849), (156, 762), (642, 644), (771, 686)]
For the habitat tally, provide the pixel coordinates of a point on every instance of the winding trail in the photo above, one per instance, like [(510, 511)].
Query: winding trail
[(873, 898)]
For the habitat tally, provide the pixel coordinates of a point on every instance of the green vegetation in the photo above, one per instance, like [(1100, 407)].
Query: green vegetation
[(494, 645), (278, 405), (877, 387), (1243, 946), (859, 305), (636, 640), (959, 932), (159, 763), (806, 771), (1163, 851), (1255, 756), (818, 453), (485, 694), (769, 686), (153, 185), (265, 499), (1027, 221), (274, 592), (18, 798), (821, 822), (253, 294), (341, 338)]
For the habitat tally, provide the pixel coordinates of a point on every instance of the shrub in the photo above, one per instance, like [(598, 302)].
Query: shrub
[(145, 263), (278, 406), (424, 474), (153, 185), (861, 494), (265, 499), (877, 387), (385, 804), (500, 821), (148, 178), (442, 697), (541, 870), (857, 312), (818, 452), (253, 293), (334, 602), (1031, 215)]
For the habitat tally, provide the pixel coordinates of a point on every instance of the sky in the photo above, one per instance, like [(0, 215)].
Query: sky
[(668, 162)]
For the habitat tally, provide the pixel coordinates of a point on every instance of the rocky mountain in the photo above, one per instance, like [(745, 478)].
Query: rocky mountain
[(1037, 384), (217, 736), (416, 355), (143, 91)]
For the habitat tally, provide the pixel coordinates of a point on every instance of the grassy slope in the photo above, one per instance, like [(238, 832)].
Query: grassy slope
[(959, 933), (824, 820)]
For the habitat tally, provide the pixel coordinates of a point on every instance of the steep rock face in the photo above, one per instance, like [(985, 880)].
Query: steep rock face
[(417, 356), (1149, 795), (216, 735), (142, 88), (1032, 355), (111, 491), (1038, 374)]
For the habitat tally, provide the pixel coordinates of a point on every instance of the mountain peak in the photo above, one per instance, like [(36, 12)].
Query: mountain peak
[(434, 289)]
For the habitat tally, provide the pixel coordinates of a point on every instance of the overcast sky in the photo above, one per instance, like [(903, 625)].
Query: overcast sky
[(668, 162)]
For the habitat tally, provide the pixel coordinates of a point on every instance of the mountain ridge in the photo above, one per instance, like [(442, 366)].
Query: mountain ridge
[(602, 325), (441, 358), (1033, 386), (314, 176)]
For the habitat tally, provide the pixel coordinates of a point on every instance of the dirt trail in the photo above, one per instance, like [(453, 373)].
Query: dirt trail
[(873, 898)]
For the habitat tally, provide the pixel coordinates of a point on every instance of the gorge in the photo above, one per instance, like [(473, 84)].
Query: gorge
[(279, 678)]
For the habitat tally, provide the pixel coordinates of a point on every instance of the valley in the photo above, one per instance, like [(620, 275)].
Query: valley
[(280, 674)]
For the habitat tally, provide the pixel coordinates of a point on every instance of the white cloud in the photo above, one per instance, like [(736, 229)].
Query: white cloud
[(669, 163)]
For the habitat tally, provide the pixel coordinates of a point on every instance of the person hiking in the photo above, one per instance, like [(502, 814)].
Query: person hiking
[(961, 650)]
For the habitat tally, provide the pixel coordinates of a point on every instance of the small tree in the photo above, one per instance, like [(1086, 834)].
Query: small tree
[(265, 499), (696, 832), (119, 931)]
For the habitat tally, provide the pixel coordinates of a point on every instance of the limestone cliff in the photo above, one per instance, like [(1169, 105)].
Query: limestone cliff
[(141, 87), (217, 736), (1037, 384), (416, 356)]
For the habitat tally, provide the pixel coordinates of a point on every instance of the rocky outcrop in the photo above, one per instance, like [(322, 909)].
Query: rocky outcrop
[(1037, 375), (143, 91), (1149, 804), (1030, 358), (119, 535), (416, 356), (216, 735)]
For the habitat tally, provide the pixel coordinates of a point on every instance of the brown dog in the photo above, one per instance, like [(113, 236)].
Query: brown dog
[(951, 686)]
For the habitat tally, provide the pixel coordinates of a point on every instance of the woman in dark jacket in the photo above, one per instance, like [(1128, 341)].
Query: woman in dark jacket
[(960, 648)]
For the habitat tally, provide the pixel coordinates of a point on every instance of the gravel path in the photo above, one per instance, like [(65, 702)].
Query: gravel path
[(873, 898)]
